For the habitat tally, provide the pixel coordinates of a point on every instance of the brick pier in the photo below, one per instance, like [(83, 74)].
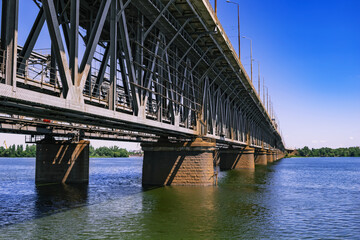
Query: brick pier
[(188, 163), (270, 157), (237, 158), (261, 157)]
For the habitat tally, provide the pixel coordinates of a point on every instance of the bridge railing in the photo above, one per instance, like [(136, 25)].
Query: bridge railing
[(37, 73), (33, 72)]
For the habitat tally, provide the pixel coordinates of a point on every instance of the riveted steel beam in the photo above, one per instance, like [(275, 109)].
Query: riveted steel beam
[(74, 39), (92, 43), (59, 50)]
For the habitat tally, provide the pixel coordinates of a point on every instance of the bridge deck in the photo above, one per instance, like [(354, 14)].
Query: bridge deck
[(149, 67)]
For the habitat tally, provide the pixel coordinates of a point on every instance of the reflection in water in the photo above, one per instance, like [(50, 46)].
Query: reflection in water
[(239, 177), (58, 197), (240, 197), (188, 212), (292, 199)]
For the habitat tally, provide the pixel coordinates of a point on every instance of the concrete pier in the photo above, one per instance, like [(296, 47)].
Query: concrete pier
[(270, 158), (62, 162), (237, 158), (189, 163), (261, 157), (280, 154)]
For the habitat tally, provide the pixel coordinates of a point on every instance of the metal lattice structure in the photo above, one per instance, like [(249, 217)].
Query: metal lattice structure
[(158, 67)]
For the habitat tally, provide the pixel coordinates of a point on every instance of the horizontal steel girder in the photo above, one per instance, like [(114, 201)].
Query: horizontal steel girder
[(148, 66)]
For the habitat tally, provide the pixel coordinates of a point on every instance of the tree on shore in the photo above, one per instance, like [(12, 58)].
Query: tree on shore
[(30, 151), (113, 151), (329, 152), (18, 151)]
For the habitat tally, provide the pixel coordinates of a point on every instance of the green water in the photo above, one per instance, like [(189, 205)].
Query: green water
[(291, 199)]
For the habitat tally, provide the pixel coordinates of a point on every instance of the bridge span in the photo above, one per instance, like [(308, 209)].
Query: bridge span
[(160, 72)]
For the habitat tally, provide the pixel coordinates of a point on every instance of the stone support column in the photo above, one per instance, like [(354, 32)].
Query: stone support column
[(237, 158), (277, 155), (269, 157), (189, 163), (62, 162), (261, 157)]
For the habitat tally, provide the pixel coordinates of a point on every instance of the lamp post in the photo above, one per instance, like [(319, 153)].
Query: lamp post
[(267, 99), (259, 78), (238, 11), (215, 7), (264, 90), (251, 59)]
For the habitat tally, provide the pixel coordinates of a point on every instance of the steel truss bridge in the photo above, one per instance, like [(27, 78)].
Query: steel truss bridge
[(132, 70)]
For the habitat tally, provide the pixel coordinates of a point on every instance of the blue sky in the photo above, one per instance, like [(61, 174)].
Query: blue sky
[(309, 52)]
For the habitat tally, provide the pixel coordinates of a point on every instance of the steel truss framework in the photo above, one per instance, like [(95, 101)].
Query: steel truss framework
[(150, 66)]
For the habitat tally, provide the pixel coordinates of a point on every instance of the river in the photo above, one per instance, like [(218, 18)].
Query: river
[(291, 199)]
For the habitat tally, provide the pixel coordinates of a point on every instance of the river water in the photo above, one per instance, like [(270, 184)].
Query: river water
[(292, 199)]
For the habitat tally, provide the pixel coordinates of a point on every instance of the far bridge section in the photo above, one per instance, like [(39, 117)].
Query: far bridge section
[(161, 72)]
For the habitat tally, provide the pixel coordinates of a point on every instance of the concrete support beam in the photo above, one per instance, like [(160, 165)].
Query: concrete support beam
[(237, 158), (189, 163), (261, 157), (62, 162)]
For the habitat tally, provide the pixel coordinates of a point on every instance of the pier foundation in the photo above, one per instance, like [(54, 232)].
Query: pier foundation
[(237, 158), (189, 163), (270, 158), (261, 157), (62, 162)]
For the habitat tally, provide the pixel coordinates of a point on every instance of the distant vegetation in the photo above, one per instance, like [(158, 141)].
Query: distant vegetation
[(30, 151), (113, 151), (18, 151), (329, 152)]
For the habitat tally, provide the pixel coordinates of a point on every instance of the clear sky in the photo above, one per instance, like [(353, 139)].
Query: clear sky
[(309, 53)]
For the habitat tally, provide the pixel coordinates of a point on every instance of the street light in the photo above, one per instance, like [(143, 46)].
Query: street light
[(259, 78), (238, 11), (264, 90), (251, 59), (216, 7)]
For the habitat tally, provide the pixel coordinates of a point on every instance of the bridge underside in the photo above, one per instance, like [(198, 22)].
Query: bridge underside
[(129, 70)]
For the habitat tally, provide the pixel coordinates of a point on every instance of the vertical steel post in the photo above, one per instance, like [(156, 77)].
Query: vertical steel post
[(10, 36), (52, 66), (89, 79), (74, 40), (113, 58)]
